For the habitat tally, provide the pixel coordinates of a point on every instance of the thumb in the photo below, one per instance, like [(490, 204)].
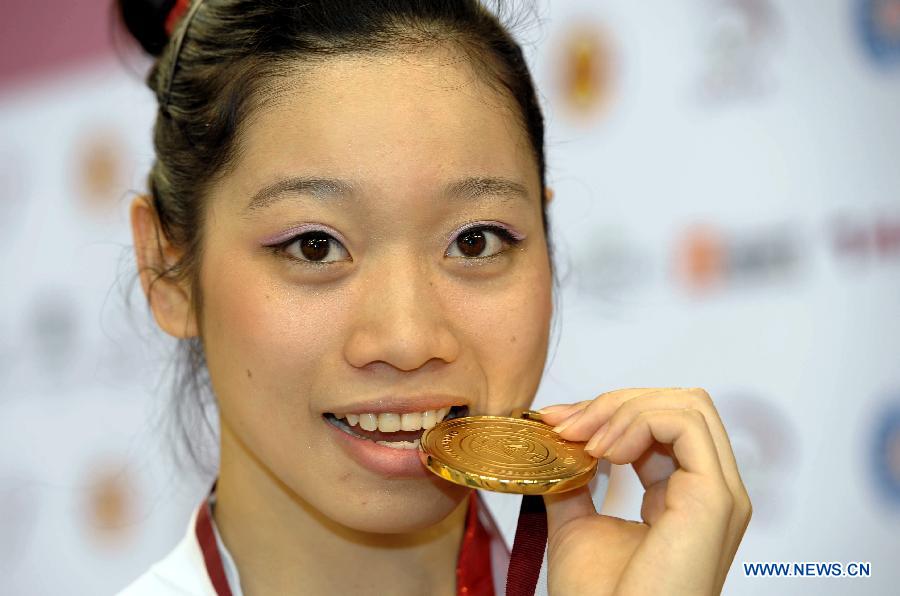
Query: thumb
[(564, 507)]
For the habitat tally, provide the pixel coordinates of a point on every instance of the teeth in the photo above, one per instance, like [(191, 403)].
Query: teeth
[(411, 421), (389, 422), (400, 444), (368, 421)]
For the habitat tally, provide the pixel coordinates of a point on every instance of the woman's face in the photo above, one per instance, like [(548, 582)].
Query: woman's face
[(362, 280)]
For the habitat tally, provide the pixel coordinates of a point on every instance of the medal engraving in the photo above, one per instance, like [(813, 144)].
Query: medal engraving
[(506, 455)]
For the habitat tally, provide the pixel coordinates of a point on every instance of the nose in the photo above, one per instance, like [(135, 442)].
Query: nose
[(400, 319)]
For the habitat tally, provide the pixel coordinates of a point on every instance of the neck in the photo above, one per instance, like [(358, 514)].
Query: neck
[(282, 545)]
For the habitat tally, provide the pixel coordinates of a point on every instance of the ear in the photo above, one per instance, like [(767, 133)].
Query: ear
[(548, 194), (169, 300)]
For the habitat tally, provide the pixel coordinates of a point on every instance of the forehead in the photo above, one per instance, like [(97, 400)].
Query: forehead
[(398, 118)]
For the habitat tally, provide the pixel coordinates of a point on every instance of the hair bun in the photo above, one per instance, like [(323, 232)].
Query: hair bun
[(145, 20)]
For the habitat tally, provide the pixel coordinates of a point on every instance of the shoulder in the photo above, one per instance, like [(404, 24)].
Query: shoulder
[(182, 572)]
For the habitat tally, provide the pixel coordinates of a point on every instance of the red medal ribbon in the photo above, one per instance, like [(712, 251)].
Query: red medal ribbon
[(473, 567), (528, 547), (206, 538)]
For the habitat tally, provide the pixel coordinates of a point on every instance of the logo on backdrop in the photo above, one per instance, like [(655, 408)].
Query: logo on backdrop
[(738, 41), (707, 258), (878, 25), (761, 436), (109, 505), (885, 446), (53, 335), (99, 164), (865, 240), (585, 72)]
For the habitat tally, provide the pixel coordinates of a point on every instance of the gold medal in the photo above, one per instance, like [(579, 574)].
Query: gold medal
[(508, 455)]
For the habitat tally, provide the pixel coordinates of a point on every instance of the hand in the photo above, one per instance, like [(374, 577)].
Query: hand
[(695, 508)]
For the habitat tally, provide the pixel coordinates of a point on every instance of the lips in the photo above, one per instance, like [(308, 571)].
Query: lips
[(385, 453)]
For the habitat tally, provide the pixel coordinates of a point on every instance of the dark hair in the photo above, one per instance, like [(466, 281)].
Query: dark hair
[(233, 53)]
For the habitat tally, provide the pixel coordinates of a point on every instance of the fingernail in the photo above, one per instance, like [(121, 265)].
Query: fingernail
[(595, 440), (548, 409), (567, 422)]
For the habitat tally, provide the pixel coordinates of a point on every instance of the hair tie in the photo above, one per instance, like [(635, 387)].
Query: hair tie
[(171, 21), (175, 14)]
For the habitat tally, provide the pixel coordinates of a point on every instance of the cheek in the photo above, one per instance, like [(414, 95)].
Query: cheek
[(526, 324), (508, 332), (262, 337)]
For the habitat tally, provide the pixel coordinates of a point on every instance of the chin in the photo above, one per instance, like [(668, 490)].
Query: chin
[(403, 508)]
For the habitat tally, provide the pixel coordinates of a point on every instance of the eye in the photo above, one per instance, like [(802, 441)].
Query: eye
[(314, 247), (482, 242)]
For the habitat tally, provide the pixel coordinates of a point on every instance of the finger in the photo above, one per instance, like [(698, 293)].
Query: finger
[(564, 507), (652, 467), (684, 429), (703, 402), (556, 414), (655, 465), (559, 415), (582, 424), (670, 399), (698, 488), (654, 503), (741, 509)]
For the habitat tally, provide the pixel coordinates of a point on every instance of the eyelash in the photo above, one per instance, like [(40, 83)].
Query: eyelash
[(508, 238)]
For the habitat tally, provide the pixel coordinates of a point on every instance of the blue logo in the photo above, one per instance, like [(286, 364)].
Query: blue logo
[(879, 26), (886, 452)]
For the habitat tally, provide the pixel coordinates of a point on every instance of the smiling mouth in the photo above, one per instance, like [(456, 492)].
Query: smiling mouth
[(395, 430)]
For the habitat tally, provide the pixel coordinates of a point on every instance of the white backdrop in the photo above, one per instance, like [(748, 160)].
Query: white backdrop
[(727, 215)]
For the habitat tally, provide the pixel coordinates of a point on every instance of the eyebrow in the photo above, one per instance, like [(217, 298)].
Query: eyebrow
[(470, 188)]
